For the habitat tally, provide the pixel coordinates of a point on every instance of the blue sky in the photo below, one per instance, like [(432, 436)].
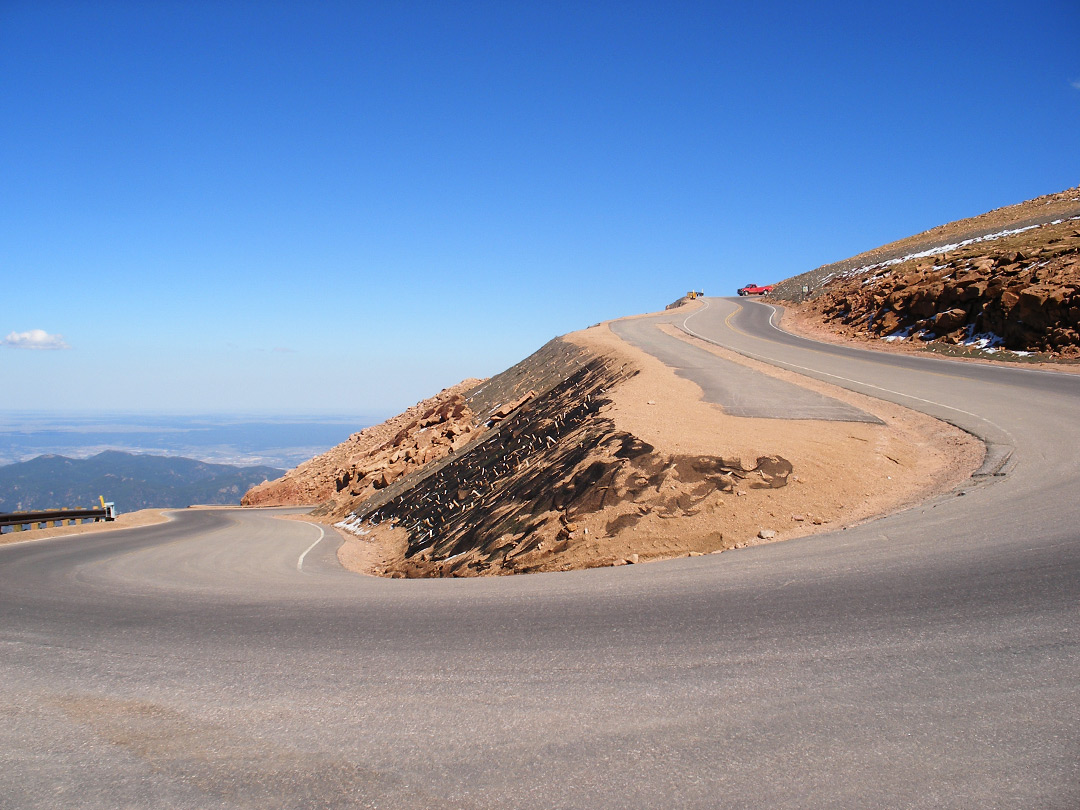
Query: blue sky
[(328, 207)]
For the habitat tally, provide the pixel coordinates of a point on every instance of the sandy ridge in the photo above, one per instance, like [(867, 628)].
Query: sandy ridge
[(840, 474)]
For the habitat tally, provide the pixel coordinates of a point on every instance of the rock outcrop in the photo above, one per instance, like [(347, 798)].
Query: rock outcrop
[(1022, 294), (1017, 289), (1060, 206), (377, 456)]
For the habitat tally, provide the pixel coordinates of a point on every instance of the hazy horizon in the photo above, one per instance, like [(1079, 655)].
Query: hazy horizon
[(282, 441)]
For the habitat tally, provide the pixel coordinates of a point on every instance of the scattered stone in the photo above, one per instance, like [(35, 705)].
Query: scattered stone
[(766, 534), (503, 411), (374, 458)]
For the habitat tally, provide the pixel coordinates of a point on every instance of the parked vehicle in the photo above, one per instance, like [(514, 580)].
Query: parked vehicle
[(754, 289)]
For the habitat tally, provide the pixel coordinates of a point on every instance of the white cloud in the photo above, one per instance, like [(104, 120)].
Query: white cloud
[(34, 339), (1075, 83)]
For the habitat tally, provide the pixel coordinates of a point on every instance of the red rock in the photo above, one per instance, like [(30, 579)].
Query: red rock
[(889, 323), (973, 291), (1064, 336), (949, 321)]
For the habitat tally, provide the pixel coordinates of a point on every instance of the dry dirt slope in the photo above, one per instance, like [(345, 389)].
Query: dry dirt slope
[(592, 453)]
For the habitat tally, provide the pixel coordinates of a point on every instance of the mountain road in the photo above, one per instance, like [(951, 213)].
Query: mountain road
[(927, 659)]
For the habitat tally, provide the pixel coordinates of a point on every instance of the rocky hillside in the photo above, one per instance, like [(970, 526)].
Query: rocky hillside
[(377, 456), (381, 461), (1009, 279), (500, 476)]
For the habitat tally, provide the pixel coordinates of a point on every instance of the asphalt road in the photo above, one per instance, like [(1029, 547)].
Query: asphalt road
[(741, 391), (929, 659)]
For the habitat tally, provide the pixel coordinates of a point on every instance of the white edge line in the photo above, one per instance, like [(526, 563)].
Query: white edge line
[(811, 372), (322, 534)]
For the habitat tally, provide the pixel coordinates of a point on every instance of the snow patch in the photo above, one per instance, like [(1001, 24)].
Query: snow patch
[(922, 254), (987, 341), (353, 526), (900, 334)]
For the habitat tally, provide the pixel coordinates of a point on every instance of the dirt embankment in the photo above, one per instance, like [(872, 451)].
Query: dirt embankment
[(552, 486), (1013, 285), (592, 453)]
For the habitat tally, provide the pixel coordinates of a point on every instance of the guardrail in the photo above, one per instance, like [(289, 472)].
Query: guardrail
[(25, 521)]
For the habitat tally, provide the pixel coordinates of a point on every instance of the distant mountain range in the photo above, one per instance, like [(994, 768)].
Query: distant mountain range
[(243, 441), (130, 481)]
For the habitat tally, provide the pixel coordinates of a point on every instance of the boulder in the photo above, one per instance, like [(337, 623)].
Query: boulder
[(1064, 336), (1035, 304), (898, 299), (949, 321), (1019, 336), (504, 411), (923, 306), (1009, 299), (343, 480), (889, 322), (974, 290)]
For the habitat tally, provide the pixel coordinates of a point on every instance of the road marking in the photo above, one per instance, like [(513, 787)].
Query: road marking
[(322, 534), (813, 372), (697, 312)]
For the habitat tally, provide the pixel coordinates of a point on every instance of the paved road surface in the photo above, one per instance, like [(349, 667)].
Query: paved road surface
[(930, 659), (741, 391)]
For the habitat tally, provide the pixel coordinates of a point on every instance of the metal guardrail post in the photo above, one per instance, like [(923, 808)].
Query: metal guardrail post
[(16, 521)]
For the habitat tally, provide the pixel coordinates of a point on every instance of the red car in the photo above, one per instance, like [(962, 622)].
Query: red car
[(754, 289)]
